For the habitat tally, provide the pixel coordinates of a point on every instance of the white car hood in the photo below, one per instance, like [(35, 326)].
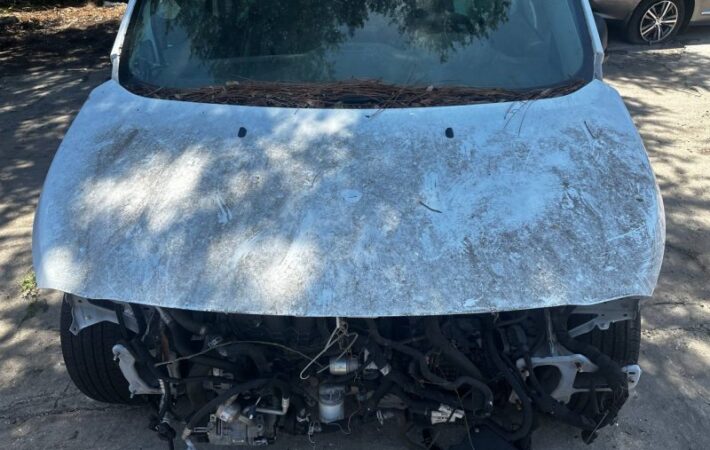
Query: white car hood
[(353, 213)]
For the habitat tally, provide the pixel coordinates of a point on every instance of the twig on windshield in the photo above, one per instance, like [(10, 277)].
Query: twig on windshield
[(370, 94)]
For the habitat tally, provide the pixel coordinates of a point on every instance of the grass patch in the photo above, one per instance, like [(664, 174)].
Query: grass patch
[(28, 287), (30, 292)]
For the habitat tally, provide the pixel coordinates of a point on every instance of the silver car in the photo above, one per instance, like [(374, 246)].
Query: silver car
[(300, 217), (653, 21)]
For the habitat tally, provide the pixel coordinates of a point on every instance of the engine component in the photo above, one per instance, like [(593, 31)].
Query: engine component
[(228, 412), (568, 366), (127, 364), (242, 431), (250, 377), (331, 403), (285, 403), (343, 365), (446, 414)]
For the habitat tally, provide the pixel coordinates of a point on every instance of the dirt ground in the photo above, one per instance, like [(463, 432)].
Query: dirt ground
[(668, 93)]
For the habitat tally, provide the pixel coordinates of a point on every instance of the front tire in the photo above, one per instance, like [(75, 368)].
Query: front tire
[(89, 360), (656, 21), (622, 343)]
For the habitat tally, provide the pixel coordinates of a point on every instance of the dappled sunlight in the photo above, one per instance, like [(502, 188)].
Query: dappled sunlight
[(666, 70), (699, 350), (289, 197), (683, 372), (53, 269), (292, 268), (32, 126), (172, 183), (299, 138), (15, 364), (32, 122), (56, 38), (305, 125), (162, 205), (665, 92), (35, 391), (38, 91), (273, 271)]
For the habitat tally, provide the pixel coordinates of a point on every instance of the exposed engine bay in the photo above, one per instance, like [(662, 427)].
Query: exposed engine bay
[(235, 379)]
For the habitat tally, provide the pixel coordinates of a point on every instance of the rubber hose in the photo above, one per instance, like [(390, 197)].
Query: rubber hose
[(416, 354), (609, 368), (512, 378), (379, 393), (164, 401), (187, 322), (400, 380), (481, 387), (433, 332), (548, 404), (182, 345), (416, 406), (252, 352)]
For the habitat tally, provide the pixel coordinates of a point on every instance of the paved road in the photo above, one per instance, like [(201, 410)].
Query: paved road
[(668, 93)]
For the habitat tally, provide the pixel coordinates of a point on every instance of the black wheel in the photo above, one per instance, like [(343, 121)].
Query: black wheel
[(656, 21), (89, 360), (621, 342)]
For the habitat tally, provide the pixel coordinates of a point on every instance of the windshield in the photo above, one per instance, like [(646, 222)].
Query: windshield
[(322, 48)]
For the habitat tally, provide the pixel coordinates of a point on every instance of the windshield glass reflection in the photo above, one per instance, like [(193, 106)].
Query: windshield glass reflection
[(506, 44)]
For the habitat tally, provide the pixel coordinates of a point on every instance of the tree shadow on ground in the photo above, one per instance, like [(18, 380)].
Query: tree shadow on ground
[(678, 145), (35, 112), (73, 38), (48, 64), (675, 320)]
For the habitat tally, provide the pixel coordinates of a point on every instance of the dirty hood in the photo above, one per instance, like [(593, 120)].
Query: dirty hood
[(351, 212)]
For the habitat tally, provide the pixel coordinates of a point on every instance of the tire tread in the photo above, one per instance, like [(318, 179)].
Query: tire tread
[(89, 360)]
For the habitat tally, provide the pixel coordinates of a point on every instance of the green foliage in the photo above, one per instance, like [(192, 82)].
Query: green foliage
[(28, 287), (258, 28), (30, 292)]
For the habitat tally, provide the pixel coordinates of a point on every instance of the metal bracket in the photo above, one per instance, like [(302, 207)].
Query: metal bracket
[(604, 315), (85, 314), (127, 364), (633, 374), (569, 366), (446, 414)]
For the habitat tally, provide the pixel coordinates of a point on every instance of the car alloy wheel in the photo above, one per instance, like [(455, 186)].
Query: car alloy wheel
[(659, 21)]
